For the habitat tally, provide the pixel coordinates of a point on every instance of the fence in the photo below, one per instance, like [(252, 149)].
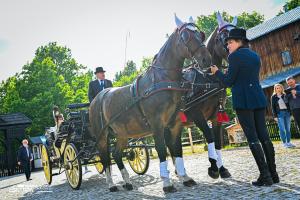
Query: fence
[(274, 130), (4, 168)]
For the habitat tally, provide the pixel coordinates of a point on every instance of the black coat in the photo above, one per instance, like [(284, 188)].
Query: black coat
[(275, 105), (23, 156), (94, 88), (243, 78)]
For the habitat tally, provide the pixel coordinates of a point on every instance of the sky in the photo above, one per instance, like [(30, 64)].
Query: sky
[(96, 30)]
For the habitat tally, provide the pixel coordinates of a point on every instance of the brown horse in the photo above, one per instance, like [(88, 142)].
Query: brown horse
[(149, 105), (206, 110)]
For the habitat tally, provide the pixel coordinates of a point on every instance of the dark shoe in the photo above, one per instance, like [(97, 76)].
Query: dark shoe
[(265, 176), (29, 179), (213, 170), (270, 158), (224, 173)]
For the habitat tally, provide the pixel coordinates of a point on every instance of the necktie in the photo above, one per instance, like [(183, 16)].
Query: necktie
[(27, 152), (101, 85)]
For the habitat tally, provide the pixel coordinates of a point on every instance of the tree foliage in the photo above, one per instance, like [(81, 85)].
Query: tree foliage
[(53, 77), (208, 23), (289, 5)]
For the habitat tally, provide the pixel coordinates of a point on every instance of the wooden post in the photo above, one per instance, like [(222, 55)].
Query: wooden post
[(191, 140)]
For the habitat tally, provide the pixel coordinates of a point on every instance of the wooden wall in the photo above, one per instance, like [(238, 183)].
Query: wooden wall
[(270, 46)]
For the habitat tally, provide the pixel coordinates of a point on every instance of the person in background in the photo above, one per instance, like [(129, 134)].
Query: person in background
[(99, 84), (24, 158), (293, 99), (282, 115), (95, 87), (249, 102)]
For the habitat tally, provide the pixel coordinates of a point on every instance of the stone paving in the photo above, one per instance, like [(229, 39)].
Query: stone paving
[(239, 161)]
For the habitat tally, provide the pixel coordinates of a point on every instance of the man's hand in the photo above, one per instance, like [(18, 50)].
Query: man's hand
[(19, 163), (214, 69), (31, 159), (276, 119)]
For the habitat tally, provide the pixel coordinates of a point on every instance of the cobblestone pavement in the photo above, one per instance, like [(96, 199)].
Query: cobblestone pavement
[(239, 161)]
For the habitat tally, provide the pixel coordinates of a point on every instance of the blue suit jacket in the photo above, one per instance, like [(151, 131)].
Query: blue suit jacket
[(22, 155), (243, 78)]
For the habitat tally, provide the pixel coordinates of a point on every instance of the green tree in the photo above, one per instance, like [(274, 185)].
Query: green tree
[(53, 77), (208, 23), (289, 5)]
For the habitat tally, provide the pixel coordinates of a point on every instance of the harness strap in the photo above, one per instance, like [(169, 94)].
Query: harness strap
[(202, 98)]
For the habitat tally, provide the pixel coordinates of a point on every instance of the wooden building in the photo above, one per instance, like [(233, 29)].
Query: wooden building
[(12, 132), (277, 41)]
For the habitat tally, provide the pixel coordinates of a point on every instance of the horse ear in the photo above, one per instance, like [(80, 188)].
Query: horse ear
[(220, 19), (178, 22), (234, 21), (191, 20)]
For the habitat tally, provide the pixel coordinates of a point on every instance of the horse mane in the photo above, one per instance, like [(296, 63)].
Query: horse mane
[(211, 40)]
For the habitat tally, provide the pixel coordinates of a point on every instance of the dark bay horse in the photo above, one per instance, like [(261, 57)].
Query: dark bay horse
[(148, 106), (207, 110)]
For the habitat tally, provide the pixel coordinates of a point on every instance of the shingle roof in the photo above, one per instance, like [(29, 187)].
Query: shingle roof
[(14, 119), (274, 24), (279, 77)]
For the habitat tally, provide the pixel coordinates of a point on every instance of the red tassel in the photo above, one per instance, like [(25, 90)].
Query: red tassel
[(183, 117), (222, 117)]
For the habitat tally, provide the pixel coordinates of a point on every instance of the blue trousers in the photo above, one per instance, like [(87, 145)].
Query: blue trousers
[(284, 125)]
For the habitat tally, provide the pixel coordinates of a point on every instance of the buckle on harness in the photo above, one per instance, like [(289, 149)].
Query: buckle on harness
[(207, 85)]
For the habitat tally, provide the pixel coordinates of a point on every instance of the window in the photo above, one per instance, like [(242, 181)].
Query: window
[(286, 57), (36, 153)]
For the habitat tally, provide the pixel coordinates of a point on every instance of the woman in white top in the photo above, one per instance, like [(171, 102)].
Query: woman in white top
[(282, 115)]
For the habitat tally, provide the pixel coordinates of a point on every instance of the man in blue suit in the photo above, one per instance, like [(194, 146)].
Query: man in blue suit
[(25, 158), (99, 84), (249, 101)]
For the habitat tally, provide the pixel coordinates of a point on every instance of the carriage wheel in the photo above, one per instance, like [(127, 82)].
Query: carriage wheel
[(99, 165), (138, 158), (72, 166), (47, 165)]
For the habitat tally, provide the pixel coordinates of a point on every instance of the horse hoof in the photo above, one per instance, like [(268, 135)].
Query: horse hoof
[(113, 189), (169, 189), (212, 173), (224, 173), (128, 186), (189, 183)]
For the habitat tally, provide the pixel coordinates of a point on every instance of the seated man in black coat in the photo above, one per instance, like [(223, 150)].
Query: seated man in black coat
[(99, 84), (25, 158)]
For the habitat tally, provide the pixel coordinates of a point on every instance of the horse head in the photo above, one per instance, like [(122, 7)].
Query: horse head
[(190, 42), (222, 33)]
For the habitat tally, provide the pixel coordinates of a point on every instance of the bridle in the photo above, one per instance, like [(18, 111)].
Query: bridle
[(223, 33), (199, 35)]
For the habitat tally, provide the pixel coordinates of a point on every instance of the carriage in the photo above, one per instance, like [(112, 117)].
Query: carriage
[(69, 147)]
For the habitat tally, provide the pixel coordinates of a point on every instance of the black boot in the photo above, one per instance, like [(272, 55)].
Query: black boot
[(265, 176), (270, 157), (213, 170)]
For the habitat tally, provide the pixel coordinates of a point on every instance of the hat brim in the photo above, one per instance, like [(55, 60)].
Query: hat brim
[(99, 72), (239, 38)]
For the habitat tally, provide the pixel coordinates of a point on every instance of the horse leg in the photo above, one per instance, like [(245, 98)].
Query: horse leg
[(217, 131), (160, 147), (173, 142), (106, 161), (118, 155), (201, 123)]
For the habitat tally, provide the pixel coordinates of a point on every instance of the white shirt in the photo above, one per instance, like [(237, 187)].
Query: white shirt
[(101, 82), (281, 103)]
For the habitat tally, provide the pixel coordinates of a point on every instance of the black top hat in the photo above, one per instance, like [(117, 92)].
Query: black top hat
[(237, 33), (99, 69)]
